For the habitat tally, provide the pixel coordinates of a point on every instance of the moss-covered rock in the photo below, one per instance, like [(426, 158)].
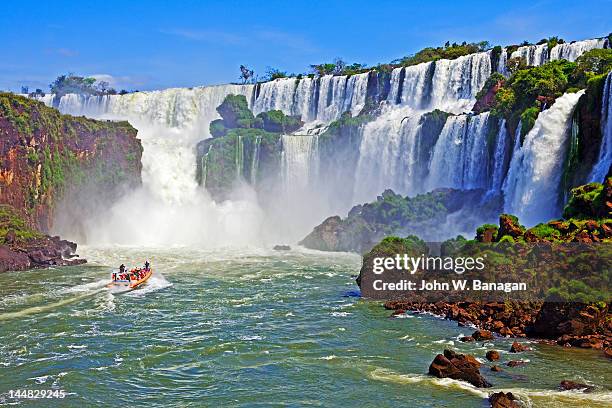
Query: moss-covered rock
[(275, 121), (235, 112), (48, 159)]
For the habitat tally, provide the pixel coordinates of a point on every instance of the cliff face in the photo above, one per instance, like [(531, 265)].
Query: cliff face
[(48, 160)]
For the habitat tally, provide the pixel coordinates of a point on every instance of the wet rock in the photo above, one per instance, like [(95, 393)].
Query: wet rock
[(517, 347), (457, 366), (282, 248), (496, 368), (503, 400), (567, 385), (608, 353), (481, 335), (11, 260), (492, 355), (466, 339), (516, 363)]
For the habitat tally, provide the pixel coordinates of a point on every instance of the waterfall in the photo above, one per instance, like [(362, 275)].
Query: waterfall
[(531, 188), (255, 161), (571, 51), (387, 155), (299, 163), (533, 55), (502, 63), (499, 157), (323, 99), (395, 149), (239, 158), (460, 155), (604, 161)]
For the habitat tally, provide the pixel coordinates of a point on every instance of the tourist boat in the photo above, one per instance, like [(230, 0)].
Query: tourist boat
[(129, 280)]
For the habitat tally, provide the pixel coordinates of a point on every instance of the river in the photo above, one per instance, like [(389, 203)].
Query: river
[(247, 327)]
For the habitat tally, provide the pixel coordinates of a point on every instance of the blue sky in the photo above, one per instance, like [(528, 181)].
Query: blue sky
[(158, 44)]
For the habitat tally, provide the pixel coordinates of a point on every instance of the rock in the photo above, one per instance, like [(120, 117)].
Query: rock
[(503, 400), (486, 101), (517, 347), (608, 353), (509, 225), (10, 237), (516, 363), (458, 367), (466, 339), (567, 385), (492, 355), (282, 248), (11, 260), (482, 335), (496, 368)]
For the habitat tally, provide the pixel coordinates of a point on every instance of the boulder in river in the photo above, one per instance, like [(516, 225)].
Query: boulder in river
[(457, 366), (492, 355), (518, 347), (503, 400), (567, 385), (482, 335)]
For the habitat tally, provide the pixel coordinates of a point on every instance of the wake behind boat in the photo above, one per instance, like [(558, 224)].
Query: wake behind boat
[(125, 281)]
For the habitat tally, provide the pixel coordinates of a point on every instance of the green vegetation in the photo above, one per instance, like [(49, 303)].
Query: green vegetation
[(492, 81), (11, 221), (70, 83), (448, 51), (49, 145), (396, 245), (586, 201), (530, 89), (235, 114), (276, 121)]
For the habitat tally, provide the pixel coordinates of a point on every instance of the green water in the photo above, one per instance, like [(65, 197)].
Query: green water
[(249, 327)]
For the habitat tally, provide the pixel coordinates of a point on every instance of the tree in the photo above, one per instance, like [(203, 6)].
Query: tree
[(70, 83), (339, 66), (25, 90), (246, 74), (273, 73)]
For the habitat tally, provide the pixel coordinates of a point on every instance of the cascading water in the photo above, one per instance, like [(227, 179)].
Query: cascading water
[(499, 158), (460, 156), (531, 189), (535, 55), (387, 156), (393, 152), (604, 161), (571, 51)]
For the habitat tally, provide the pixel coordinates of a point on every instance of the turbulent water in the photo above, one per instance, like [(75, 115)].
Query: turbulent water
[(247, 327)]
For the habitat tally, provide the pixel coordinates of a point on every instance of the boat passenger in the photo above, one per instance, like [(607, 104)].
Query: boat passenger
[(121, 268), (146, 265)]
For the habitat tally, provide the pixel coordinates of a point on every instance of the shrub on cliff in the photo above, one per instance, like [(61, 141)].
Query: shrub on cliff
[(235, 112), (588, 201), (12, 224), (448, 51), (590, 64), (276, 121)]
